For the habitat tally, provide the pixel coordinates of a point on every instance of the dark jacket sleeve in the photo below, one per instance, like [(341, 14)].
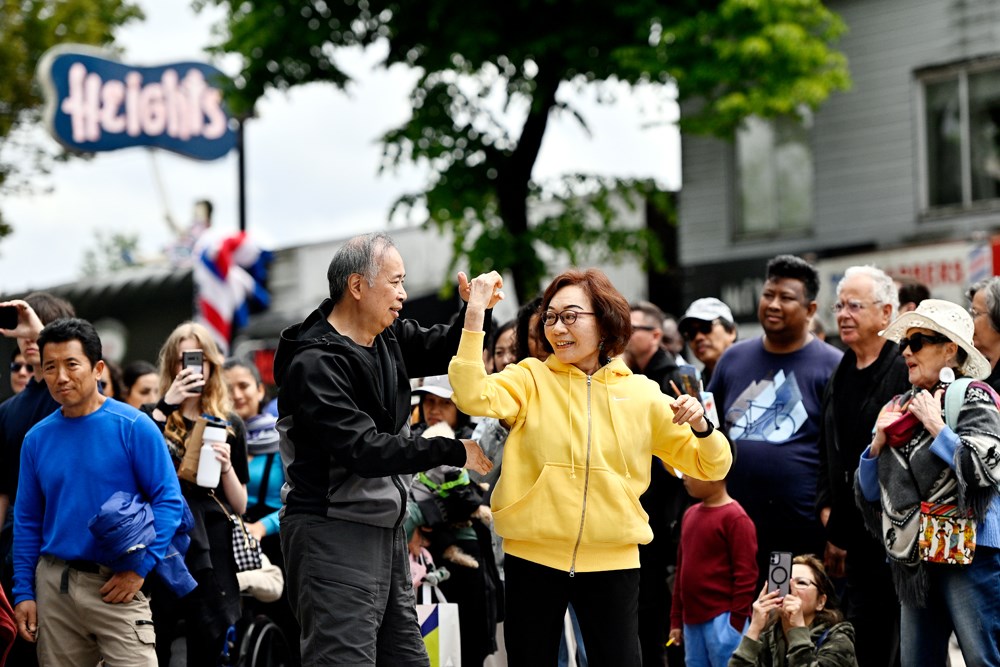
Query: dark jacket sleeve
[(825, 442), (428, 350), (329, 412)]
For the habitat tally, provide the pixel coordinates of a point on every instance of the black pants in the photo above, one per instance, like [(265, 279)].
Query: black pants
[(872, 605), (350, 589), (606, 605)]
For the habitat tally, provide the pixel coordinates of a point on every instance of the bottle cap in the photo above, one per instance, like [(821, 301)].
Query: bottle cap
[(214, 433)]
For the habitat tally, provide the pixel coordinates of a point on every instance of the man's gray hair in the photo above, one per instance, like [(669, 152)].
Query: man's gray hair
[(991, 290), (362, 254), (883, 286)]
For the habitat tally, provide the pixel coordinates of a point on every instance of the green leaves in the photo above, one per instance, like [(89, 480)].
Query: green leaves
[(28, 28), (490, 78)]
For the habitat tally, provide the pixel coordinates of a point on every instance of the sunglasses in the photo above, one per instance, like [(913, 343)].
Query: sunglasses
[(917, 341), (694, 327), (16, 366)]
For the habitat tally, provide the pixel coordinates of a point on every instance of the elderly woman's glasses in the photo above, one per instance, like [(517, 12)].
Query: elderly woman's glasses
[(917, 341), (567, 317)]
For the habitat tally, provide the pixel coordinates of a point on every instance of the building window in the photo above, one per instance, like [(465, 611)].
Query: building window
[(775, 177), (961, 135)]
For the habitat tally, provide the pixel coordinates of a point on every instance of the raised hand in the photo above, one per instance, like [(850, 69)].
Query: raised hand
[(28, 324)]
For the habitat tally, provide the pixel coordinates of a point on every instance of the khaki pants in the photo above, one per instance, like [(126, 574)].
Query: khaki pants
[(75, 627)]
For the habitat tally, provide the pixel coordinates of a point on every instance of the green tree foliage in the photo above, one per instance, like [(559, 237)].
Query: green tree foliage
[(28, 28), (726, 59)]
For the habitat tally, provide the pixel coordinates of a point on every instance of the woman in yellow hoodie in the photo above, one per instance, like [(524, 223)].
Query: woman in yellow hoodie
[(582, 431)]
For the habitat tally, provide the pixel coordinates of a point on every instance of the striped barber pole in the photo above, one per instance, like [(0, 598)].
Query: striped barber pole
[(229, 274)]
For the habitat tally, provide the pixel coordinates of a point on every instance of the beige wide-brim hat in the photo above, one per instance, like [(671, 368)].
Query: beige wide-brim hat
[(948, 319)]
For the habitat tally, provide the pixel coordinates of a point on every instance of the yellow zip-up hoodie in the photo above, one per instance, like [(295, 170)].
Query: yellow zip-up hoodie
[(578, 455)]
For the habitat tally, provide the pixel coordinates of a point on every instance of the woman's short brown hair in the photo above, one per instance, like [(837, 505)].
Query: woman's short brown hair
[(830, 613), (611, 309)]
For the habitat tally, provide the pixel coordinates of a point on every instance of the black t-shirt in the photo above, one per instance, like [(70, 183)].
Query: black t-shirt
[(853, 387)]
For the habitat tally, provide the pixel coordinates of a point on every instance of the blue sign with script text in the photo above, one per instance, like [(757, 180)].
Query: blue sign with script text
[(96, 104)]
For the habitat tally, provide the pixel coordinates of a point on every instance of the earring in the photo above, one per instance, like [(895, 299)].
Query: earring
[(600, 346)]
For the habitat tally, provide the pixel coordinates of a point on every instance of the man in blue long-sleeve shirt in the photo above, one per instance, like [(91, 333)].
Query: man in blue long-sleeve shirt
[(71, 463)]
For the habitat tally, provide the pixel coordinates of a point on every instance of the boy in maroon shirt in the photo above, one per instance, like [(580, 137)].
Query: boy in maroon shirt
[(716, 576)]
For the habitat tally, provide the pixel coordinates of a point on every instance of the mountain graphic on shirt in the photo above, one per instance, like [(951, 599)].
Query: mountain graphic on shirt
[(769, 410)]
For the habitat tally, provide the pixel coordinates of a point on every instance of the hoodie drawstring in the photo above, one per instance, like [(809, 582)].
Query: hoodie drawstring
[(569, 409), (614, 430)]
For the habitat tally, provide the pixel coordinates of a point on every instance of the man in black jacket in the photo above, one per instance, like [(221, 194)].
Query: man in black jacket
[(871, 372), (344, 407)]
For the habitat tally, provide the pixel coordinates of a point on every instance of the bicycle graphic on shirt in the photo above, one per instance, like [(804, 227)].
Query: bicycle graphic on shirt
[(770, 410)]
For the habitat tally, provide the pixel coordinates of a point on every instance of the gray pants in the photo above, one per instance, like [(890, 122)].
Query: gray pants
[(349, 587)]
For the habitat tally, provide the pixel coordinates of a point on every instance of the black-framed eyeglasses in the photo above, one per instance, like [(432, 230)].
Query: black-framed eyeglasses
[(802, 582), (567, 317), (16, 366), (694, 327), (917, 341)]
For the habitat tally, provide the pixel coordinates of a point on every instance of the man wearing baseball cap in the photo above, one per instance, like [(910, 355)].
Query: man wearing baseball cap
[(709, 329)]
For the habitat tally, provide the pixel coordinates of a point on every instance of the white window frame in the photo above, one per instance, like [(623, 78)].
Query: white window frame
[(961, 73)]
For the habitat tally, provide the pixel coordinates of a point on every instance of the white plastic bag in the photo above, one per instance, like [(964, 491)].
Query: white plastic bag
[(440, 628)]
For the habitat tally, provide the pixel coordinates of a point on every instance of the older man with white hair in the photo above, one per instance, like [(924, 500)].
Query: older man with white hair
[(871, 372)]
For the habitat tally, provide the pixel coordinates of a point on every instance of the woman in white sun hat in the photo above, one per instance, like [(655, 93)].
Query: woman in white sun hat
[(925, 487)]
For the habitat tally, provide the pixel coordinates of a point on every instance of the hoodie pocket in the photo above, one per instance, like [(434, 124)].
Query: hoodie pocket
[(552, 507), (614, 514), (550, 510)]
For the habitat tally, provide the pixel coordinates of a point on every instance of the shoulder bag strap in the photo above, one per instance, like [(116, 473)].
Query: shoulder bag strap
[(954, 396)]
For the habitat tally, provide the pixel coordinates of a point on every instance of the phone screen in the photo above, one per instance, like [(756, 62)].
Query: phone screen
[(8, 317)]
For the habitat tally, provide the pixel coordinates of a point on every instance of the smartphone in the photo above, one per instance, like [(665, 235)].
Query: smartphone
[(779, 572), (690, 381), (8, 317), (193, 359)]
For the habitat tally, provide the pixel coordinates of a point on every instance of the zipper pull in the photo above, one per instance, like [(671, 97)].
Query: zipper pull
[(572, 572)]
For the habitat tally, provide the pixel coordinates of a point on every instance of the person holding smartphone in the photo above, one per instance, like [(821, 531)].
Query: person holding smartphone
[(190, 391), (803, 628)]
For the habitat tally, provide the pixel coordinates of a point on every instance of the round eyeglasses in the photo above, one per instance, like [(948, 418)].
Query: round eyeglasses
[(567, 317)]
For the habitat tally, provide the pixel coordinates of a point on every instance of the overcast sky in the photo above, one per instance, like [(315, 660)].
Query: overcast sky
[(311, 155)]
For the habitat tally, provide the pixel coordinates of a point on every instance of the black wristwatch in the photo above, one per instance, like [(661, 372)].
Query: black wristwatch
[(705, 433)]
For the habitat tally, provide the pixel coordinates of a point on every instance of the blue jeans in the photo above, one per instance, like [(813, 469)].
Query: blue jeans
[(712, 643), (963, 599)]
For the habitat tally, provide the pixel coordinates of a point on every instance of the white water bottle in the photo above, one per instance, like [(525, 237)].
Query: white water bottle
[(209, 467)]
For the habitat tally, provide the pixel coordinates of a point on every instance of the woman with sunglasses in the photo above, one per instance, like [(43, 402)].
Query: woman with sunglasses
[(20, 372), (802, 628), (583, 433), (916, 462)]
